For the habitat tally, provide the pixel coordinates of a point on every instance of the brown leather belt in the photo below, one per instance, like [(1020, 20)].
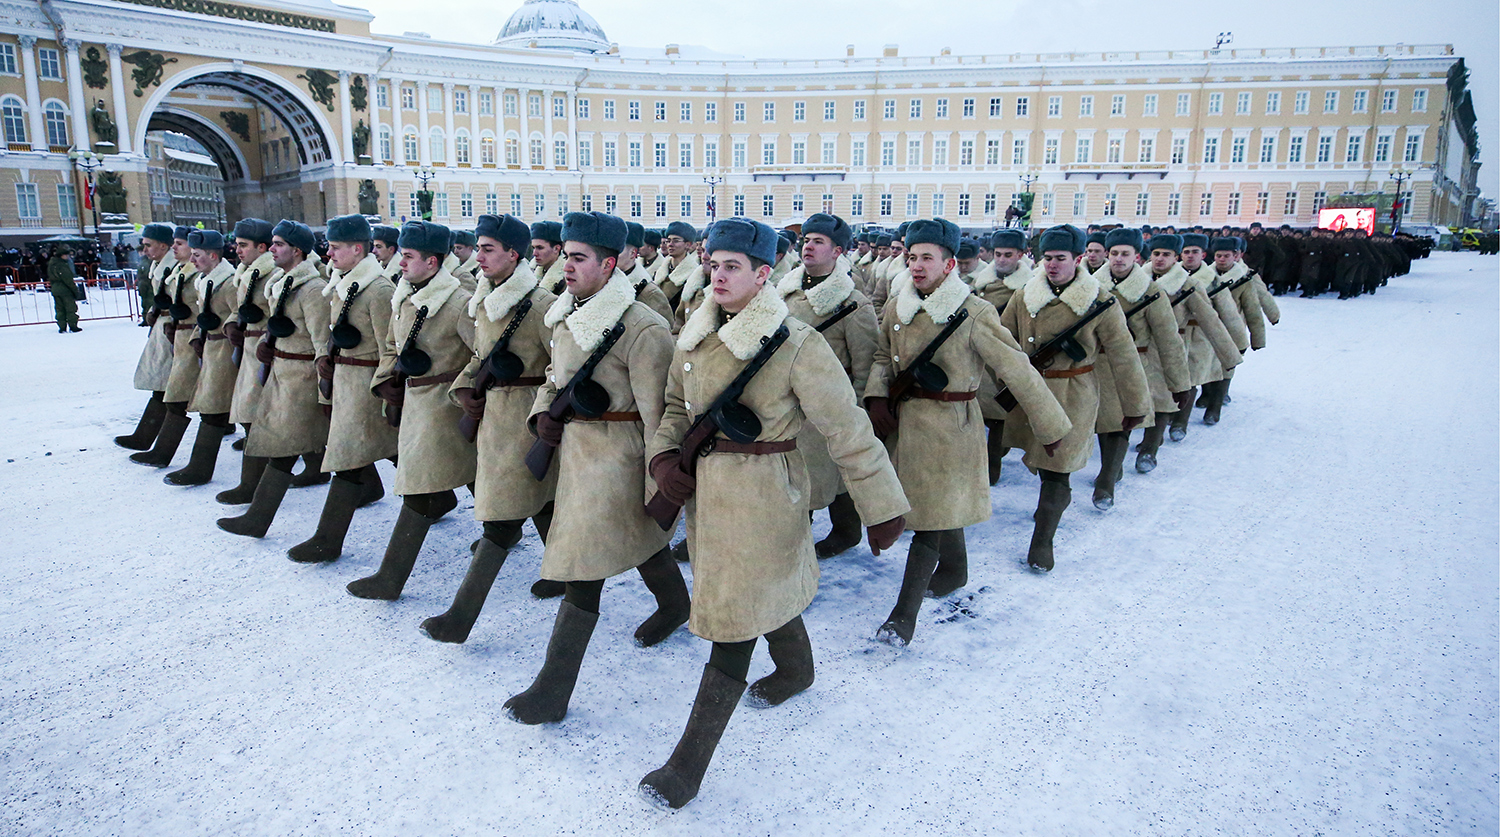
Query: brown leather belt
[(292, 355), (529, 381), (630, 416), (217, 336), (753, 448), (1143, 349), (260, 333), (446, 377), (1192, 322), (354, 361), (1067, 373), (917, 392)]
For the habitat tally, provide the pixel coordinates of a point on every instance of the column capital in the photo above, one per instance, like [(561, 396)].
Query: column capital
[(343, 75), (71, 44), (27, 41), (447, 87), (114, 49)]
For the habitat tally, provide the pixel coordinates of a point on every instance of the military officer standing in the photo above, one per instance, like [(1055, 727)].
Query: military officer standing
[(155, 365), (63, 285)]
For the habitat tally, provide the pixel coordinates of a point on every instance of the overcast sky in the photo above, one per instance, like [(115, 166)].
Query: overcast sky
[(793, 29)]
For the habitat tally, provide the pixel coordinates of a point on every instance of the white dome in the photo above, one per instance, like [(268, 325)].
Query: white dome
[(553, 24)]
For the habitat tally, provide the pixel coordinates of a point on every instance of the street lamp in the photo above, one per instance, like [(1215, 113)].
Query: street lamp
[(1020, 208), (87, 162), (1400, 174), (424, 175), (713, 182)]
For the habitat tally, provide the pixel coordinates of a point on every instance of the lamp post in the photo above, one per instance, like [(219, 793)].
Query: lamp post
[(1020, 208), (86, 162), (1401, 175), (424, 175), (713, 182)]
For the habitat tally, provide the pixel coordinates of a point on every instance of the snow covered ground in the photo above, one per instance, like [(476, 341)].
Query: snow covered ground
[(1289, 628)]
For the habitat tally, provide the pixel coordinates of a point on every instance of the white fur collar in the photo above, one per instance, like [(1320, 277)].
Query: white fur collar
[(940, 305), (1018, 277), (470, 266), (742, 334), (1131, 288), (678, 274), (263, 268), (498, 302), (1203, 277), (983, 277), (1173, 280), (597, 316), (185, 273), (306, 270), (432, 295), (367, 271), (221, 275), (637, 274), (695, 283), (162, 269), (1235, 273), (1079, 296), (824, 297), (392, 269)]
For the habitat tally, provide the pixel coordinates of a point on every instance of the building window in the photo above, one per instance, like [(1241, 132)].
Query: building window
[(562, 204), (461, 148), (661, 111), (634, 150), (685, 206), (1215, 104), (969, 108), (768, 112), (1354, 149), (611, 204), (1085, 106), (434, 99), (1023, 105), (1361, 101), (466, 205), (1080, 203), (799, 111), (1301, 102), (1054, 107), (1083, 151), (1320, 199), (940, 152), (460, 101), (409, 145), (1388, 101), (661, 206), (799, 204), (57, 124), (830, 110), (911, 204), (515, 203), (1018, 151), (508, 105), (1049, 151), (1290, 206), (440, 205), (385, 143), (963, 205), (886, 208), (989, 203), (382, 96), (888, 110), (609, 108), (659, 154), (942, 108), (1142, 204), (1242, 104), (537, 151), (799, 152), (685, 154), (1234, 204), (560, 153), (635, 206), (857, 153), (914, 152), (1331, 101), (49, 67), (1048, 203), (8, 59), (534, 105), (857, 205), (739, 152), (539, 204), (1149, 108), (768, 206), (768, 152), (1413, 152), (1206, 204), (1174, 204), (585, 154), (1294, 149), (611, 154), (1111, 204), (1115, 151), (992, 152), (1273, 102), (1117, 105), (1262, 203), (1383, 148), (685, 112), (966, 152), (1325, 149), (739, 111), (859, 110), (633, 111), (491, 203), (67, 201), (888, 152), (1237, 149), (996, 104), (939, 205), (1147, 151), (1184, 104), (1419, 101), (711, 153), (1210, 149), (830, 153), (408, 98)]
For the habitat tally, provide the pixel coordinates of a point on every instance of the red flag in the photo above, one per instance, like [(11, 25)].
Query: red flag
[(88, 195)]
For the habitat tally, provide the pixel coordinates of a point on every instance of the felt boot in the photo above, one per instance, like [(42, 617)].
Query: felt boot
[(268, 495), (1055, 497), (312, 471), (994, 446), (149, 425), (327, 543), (1145, 458), (1178, 430), (173, 426), (791, 650), (1112, 450), (251, 469), (664, 580), (921, 560), (400, 556), (546, 701), (846, 531), (1215, 393), (200, 468), (953, 564), (675, 783), (454, 624)]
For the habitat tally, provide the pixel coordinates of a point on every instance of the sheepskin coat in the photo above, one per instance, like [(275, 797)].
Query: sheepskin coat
[(183, 380), (997, 291), (648, 293), (503, 488), (1035, 315), (600, 527), (250, 281), (1162, 352), (853, 339), (939, 449), (215, 388), (358, 434), (1212, 365), (671, 279), (434, 454), (290, 419), (154, 368), (1203, 333), (754, 568)]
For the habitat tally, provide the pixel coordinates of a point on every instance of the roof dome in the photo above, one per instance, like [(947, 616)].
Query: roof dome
[(553, 24)]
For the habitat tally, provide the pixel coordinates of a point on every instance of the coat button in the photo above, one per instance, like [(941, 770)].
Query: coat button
[(551, 344), (895, 358), (687, 367), (896, 327), (1031, 340), (687, 405), (554, 379)]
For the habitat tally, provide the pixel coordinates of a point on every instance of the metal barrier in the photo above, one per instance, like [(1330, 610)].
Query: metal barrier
[(112, 295)]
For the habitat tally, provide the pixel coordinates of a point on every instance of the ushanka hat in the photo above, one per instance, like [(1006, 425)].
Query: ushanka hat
[(465, 238), (742, 235), (424, 236), (381, 232), (1227, 242), (157, 232), (635, 234), (941, 232), (1014, 239), (1063, 237), (297, 234), (1198, 240), (549, 231), (351, 228), (511, 232), (206, 240), (1167, 241), (833, 226), (596, 229), (1123, 237), (682, 230), (257, 230)]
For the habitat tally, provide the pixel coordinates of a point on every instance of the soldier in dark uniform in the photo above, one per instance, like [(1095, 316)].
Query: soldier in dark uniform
[(64, 287)]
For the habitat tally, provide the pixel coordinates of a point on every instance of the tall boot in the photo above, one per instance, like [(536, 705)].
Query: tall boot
[(791, 651), (200, 468), (664, 580), (173, 426), (846, 530), (373, 489), (1228, 381), (1178, 431), (312, 471), (251, 469), (921, 560), (680, 552), (995, 447), (268, 495), (1112, 450), (327, 543), (1215, 393), (441, 503), (239, 444), (454, 624), (543, 588), (1055, 497), (1145, 459), (149, 425), (953, 564), (400, 556), (546, 701), (676, 783)]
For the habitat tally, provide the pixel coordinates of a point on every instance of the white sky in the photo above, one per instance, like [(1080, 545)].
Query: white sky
[(791, 28)]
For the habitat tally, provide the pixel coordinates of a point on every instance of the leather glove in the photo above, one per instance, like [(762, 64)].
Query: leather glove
[(389, 391), (170, 329), (235, 334), (327, 410), (471, 401), (882, 417), (1052, 448), (151, 317), (1131, 422), (324, 365), (884, 535), (674, 483), (548, 429), (265, 352), (197, 344), (1183, 398)]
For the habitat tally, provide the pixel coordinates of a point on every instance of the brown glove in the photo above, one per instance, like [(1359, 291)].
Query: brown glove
[(882, 417), (1131, 422), (389, 391), (235, 334), (1052, 448), (324, 365), (548, 429), (674, 483), (265, 352), (1183, 398), (170, 329), (884, 535), (151, 317), (197, 344), (471, 401)]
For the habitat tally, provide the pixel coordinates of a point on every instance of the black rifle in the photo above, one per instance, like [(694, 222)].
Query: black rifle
[(582, 396), (1182, 295), (411, 361), (844, 310), (922, 372), (249, 313), (280, 325), (738, 422), (1142, 305), (341, 336), (500, 366), (1064, 343)]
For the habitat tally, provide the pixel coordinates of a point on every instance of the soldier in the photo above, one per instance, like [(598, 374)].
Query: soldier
[(864, 261), (938, 447), (1153, 326), (648, 252), (215, 388), (509, 306), (601, 528), (673, 272), (986, 251), (753, 566), (692, 294), (464, 264), (358, 296), (786, 258), (257, 269), (995, 283), (155, 365), (64, 287), (821, 293), (645, 290), (182, 309), (1055, 300), (968, 260), (1244, 288), (546, 255), (383, 245), (894, 266), (1095, 256), (430, 340), (1207, 361)]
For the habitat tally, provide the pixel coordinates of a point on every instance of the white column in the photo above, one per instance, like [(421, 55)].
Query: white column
[(374, 84), (346, 117), (452, 155), (524, 109), (398, 123), (474, 126), (75, 96), (424, 146), (34, 94), (573, 130), (117, 87), (547, 121)]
